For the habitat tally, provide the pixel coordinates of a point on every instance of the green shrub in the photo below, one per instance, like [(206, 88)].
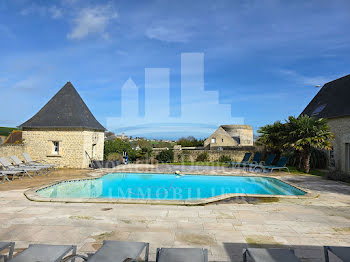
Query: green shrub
[(203, 157), (114, 156), (225, 158), (165, 156)]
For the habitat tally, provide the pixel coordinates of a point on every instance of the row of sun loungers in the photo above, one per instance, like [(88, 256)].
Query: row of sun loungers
[(20, 169), (257, 165), (118, 251)]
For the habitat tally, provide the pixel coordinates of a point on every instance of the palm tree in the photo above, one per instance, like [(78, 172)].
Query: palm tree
[(306, 132), (273, 137)]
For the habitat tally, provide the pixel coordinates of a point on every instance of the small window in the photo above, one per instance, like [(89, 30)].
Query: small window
[(93, 150), (213, 140), (222, 140), (56, 147)]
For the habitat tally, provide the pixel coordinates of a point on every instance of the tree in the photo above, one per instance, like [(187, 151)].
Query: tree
[(308, 132), (300, 134), (117, 146), (190, 141), (273, 136), (165, 156)]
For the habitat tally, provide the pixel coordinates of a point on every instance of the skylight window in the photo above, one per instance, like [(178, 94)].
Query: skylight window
[(318, 110)]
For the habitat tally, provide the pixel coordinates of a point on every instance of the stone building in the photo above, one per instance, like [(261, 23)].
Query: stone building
[(64, 132), (333, 103), (227, 136)]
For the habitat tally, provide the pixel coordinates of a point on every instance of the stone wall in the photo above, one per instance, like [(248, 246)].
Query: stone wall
[(72, 146), (7, 150), (340, 126), (214, 155)]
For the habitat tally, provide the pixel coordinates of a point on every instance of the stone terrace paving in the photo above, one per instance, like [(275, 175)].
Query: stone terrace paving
[(224, 228)]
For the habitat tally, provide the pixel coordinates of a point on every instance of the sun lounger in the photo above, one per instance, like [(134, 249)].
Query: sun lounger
[(341, 252), (4, 173), (44, 253), (8, 166), (182, 255), (116, 251), (10, 246), (267, 162), (30, 161), (244, 160), (270, 255), (255, 161), (19, 163), (281, 164)]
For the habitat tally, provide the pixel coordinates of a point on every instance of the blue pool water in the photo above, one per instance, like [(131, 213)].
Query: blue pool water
[(166, 187)]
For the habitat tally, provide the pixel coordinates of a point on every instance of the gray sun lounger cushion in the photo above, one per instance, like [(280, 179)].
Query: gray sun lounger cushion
[(5, 245), (116, 251), (4, 174), (44, 253), (270, 255), (29, 160), (182, 255), (341, 252), (19, 163), (8, 166)]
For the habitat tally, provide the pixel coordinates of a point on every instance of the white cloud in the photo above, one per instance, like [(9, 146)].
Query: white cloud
[(27, 84), (52, 11), (92, 20), (55, 12), (169, 32), (307, 80)]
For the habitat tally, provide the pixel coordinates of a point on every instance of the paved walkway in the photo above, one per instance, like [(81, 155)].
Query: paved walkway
[(224, 228)]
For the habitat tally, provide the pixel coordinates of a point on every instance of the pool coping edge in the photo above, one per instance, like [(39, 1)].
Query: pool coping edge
[(31, 194)]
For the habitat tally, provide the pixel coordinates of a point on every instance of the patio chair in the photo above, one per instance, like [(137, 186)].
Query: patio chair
[(267, 162), (4, 173), (30, 161), (255, 161), (115, 251), (9, 167), (270, 255), (44, 253), (19, 163), (10, 246), (244, 160), (182, 255), (341, 252), (281, 164)]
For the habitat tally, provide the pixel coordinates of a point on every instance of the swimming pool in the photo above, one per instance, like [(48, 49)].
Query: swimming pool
[(167, 187)]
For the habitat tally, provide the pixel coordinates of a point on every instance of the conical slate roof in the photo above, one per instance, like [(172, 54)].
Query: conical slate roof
[(65, 110), (332, 100)]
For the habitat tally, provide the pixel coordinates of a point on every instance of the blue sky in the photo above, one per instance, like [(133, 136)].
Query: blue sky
[(262, 58)]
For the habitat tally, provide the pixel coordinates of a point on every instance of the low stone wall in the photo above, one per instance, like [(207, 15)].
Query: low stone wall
[(7, 150), (235, 154)]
